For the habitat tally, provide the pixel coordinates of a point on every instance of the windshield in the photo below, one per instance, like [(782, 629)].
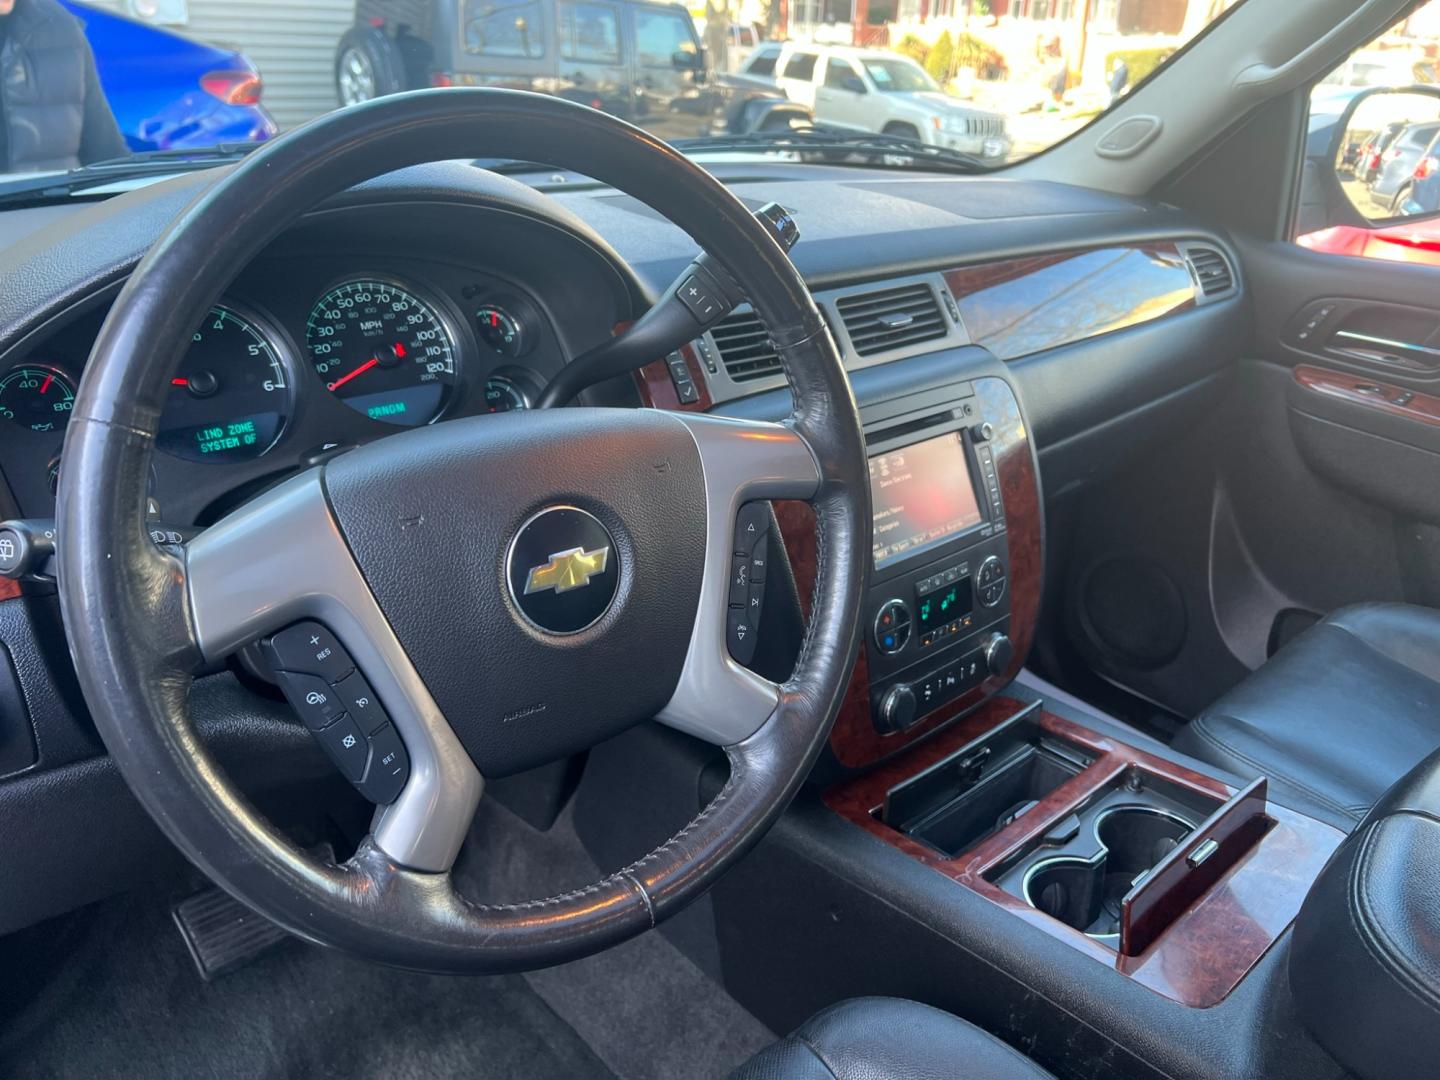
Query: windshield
[(899, 76), (135, 85)]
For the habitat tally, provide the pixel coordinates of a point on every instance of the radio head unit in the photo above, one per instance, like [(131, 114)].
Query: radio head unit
[(938, 598)]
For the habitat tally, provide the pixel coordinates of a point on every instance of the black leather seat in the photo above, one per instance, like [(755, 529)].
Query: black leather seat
[(1335, 717), (888, 1039), (1365, 958)]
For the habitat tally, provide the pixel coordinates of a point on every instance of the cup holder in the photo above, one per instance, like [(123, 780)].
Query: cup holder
[(1086, 892)]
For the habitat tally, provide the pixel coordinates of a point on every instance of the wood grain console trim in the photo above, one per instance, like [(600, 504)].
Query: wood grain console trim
[(1016, 307), (1382, 397), (1208, 947)]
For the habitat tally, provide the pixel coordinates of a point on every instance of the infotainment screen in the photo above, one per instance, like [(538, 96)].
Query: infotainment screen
[(922, 496)]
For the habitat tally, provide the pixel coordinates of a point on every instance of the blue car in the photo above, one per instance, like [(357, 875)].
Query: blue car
[(169, 92)]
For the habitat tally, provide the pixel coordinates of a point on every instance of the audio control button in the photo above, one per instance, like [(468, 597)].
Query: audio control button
[(897, 709)]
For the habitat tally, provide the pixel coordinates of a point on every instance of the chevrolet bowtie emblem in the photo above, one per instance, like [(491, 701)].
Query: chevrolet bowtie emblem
[(567, 570)]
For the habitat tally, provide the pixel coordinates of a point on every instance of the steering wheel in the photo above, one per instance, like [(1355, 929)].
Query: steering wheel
[(514, 588)]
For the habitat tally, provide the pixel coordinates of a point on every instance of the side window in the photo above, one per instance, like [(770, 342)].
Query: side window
[(800, 66), (659, 35), (501, 28), (589, 32), (1370, 181), (762, 63), (839, 74)]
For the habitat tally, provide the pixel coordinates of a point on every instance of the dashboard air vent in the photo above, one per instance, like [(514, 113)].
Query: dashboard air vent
[(1211, 269), (892, 318), (745, 348)]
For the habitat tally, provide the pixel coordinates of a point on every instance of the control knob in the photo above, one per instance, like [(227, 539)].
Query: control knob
[(999, 651), (897, 709), (892, 627)]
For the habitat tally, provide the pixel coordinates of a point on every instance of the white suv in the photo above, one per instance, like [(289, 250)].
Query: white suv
[(874, 90)]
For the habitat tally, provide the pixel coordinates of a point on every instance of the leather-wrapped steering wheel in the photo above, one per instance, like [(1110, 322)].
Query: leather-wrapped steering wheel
[(412, 552)]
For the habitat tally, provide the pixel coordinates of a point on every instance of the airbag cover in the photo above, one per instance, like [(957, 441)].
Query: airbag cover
[(431, 516)]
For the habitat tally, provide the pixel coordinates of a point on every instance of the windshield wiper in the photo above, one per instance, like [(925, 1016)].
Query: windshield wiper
[(893, 151), (42, 187)]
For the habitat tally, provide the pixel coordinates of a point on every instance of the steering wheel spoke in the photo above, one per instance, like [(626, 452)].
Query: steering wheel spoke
[(282, 560), (718, 699)]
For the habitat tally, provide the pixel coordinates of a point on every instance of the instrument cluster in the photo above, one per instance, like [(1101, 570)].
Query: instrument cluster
[(273, 376)]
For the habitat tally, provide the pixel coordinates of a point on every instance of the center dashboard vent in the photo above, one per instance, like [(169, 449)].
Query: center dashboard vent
[(891, 318), (1211, 269), (745, 347)]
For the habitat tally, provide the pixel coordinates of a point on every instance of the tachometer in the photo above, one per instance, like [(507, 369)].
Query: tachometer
[(383, 351), (36, 397), (232, 395)]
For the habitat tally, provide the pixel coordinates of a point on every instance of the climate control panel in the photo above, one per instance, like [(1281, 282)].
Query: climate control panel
[(938, 629)]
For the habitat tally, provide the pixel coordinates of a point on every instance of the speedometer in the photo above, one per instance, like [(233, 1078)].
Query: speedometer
[(383, 351)]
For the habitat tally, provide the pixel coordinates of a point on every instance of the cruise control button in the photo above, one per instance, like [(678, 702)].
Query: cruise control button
[(389, 767), (312, 697), (311, 649), (347, 746), (357, 697)]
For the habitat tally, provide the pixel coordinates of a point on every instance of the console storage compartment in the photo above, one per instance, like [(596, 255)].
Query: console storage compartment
[(983, 786), (1133, 859)]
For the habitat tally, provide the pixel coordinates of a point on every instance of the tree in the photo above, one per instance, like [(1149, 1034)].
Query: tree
[(941, 61)]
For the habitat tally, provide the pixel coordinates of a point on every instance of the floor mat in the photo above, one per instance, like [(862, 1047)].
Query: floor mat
[(644, 1007), (110, 991)]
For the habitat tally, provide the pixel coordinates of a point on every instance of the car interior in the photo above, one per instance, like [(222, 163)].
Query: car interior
[(767, 617)]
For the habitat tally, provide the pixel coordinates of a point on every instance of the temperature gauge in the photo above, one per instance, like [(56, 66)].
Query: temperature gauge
[(504, 394)]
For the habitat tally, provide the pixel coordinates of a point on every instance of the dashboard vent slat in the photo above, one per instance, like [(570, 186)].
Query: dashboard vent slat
[(892, 318), (745, 348), (1211, 269)]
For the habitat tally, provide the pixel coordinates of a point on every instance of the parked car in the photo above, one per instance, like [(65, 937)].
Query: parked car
[(1397, 165), (742, 39), (1379, 68), (169, 92), (1421, 194), (875, 90), (642, 62), (1368, 162)]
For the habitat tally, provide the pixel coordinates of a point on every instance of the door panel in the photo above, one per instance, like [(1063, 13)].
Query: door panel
[(1314, 483)]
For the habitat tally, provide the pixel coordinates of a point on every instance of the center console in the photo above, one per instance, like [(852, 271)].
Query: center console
[(954, 588), (1175, 879), (939, 600)]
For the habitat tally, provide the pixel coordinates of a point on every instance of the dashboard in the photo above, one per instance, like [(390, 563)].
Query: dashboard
[(445, 292), (320, 345)]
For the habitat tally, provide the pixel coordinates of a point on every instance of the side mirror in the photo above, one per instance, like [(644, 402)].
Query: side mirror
[(683, 60), (854, 84), (1385, 153)]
